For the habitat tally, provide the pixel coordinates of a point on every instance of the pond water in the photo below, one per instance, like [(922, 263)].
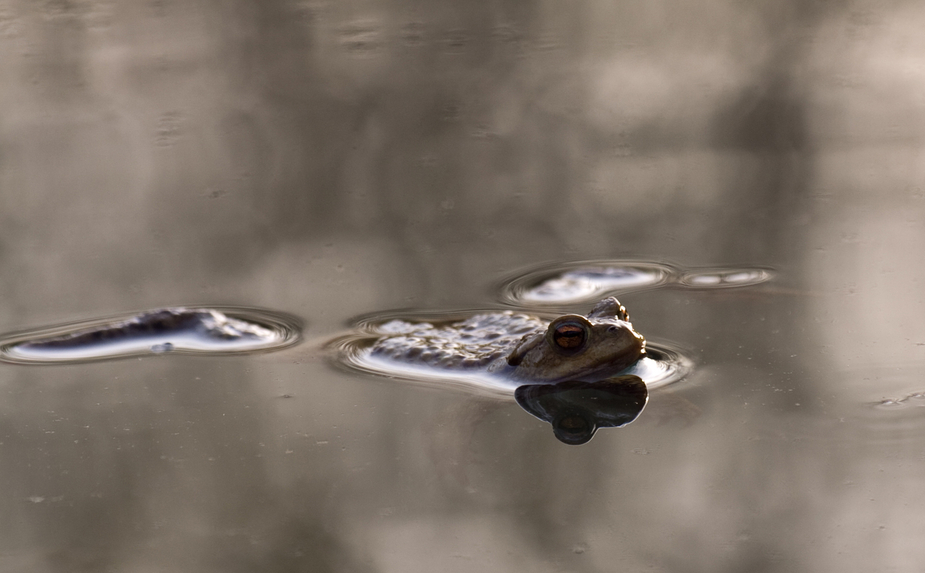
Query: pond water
[(757, 166)]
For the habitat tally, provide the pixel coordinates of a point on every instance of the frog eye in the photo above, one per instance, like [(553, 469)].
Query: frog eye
[(568, 334)]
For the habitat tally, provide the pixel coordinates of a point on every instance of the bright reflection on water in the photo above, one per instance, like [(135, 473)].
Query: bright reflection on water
[(724, 278), (914, 400)]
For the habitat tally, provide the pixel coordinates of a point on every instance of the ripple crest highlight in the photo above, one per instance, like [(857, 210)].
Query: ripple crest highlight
[(724, 278)]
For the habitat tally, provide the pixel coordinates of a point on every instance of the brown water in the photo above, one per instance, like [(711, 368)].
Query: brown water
[(332, 160)]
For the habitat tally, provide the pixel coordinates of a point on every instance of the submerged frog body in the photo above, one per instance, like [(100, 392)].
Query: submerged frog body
[(207, 323), (183, 330), (520, 347)]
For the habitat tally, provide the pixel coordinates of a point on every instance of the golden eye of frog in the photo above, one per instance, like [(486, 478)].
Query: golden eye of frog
[(520, 347)]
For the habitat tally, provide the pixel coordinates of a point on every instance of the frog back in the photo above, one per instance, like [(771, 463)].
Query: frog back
[(468, 345)]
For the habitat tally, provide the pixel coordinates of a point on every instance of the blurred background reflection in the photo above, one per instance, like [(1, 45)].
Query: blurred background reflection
[(330, 159)]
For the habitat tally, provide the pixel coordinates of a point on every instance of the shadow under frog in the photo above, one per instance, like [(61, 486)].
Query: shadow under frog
[(579, 373)]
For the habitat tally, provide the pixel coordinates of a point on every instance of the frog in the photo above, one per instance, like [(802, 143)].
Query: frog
[(175, 330), (519, 347), (209, 323)]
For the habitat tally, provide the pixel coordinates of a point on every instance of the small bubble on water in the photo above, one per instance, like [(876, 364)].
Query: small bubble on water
[(161, 348)]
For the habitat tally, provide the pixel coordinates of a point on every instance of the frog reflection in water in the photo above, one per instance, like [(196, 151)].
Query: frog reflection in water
[(519, 347)]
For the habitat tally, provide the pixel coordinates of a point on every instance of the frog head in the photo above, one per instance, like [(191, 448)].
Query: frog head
[(576, 347)]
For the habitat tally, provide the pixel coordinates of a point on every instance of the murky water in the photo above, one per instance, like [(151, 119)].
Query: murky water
[(747, 177)]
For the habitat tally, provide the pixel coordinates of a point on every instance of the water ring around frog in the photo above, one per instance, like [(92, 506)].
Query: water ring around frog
[(665, 363)]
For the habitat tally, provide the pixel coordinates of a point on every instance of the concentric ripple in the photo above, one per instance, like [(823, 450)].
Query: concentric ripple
[(585, 281), (664, 364), (180, 330)]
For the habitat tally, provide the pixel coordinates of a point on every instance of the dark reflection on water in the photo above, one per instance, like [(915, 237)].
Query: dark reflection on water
[(180, 330), (576, 410)]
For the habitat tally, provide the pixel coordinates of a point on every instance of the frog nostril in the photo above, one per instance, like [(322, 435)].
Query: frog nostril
[(613, 328)]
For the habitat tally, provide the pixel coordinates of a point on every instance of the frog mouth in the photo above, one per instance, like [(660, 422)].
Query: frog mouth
[(618, 360)]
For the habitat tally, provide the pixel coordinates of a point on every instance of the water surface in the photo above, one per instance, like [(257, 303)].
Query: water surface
[(332, 161)]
